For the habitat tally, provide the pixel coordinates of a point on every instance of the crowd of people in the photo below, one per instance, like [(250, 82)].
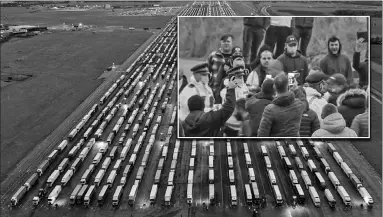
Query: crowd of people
[(256, 92)]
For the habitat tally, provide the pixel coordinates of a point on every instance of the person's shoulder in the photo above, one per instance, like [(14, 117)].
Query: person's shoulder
[(350, 132)]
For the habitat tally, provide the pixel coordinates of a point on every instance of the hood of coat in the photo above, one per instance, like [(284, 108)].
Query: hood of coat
[(195, 122), (334, 123), (354, 98), (284, 99), (329, 50)]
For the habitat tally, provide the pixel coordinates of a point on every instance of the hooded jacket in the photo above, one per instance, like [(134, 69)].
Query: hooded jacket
[(336, 63), (361, 68), (334, 125), (282, 117), (257, 22), (360, 124), (297, 62), (351, 103), (208, 124), (255, 107)]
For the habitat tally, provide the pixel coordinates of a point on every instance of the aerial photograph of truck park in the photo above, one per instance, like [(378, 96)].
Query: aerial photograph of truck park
[(89, 120)]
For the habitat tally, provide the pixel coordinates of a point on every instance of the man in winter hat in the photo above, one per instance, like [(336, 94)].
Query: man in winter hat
[(334, 124), (336, 85)]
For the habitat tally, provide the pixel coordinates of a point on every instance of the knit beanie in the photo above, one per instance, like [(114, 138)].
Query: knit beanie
[(196, 103), (328, 109)]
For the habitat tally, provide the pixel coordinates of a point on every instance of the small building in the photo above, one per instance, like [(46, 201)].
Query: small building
[(107, 6)]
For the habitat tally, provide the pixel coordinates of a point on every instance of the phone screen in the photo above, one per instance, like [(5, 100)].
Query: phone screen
[(363, 35)]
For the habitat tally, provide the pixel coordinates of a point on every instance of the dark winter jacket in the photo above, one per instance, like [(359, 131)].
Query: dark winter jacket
[(208, 124), (361, 68), (304, 21), (360, 124), (282, 117), (257, 22), (310, 122), (255, 107), (338, 63), (334, 126), (352, 103), (291, 63)]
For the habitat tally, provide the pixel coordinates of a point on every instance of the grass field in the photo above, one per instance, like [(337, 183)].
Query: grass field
[(65, 67), (53, 18)]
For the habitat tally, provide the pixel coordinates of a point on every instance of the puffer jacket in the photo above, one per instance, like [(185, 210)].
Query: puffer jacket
[(310, 122), (352, 103), (282, 117), (255, 107), (334, 125), (360, 125), (298, 62)]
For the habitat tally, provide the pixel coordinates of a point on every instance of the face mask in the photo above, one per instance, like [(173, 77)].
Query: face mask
[(239, 81), (292, 49), (205, 79)]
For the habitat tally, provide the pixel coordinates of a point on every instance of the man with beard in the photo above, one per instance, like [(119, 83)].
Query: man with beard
[(282, 117), (292, 60), (258, 74), (225, 51), (197, 86), (315, 88), (335, 62)]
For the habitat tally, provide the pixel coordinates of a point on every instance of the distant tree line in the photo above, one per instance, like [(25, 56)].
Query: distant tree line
[(358, 13)]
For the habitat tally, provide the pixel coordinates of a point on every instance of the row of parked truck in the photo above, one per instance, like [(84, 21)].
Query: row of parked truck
[(69, 173)]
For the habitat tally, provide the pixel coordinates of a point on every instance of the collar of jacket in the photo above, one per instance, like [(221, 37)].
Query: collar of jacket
[(284, 99)]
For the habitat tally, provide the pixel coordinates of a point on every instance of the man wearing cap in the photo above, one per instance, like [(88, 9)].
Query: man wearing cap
[(335, 61), (303, 30), (236, 60), (241, 89), (336, 85), (253, 33), (197, 86), (225, 52), (199, 123), (279, 29), (315, 88), (282, 118), (292, 59)]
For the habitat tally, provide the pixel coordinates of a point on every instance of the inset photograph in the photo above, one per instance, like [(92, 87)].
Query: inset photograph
[(279, 77)]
